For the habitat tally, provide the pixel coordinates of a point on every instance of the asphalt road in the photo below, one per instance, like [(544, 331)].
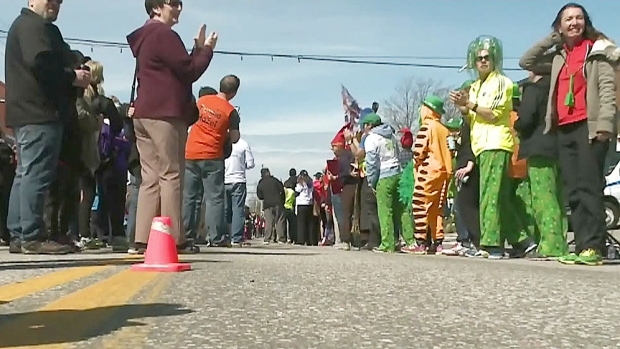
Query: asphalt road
[(295, 297)]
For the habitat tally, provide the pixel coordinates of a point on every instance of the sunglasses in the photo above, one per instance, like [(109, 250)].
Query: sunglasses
[(483, 58)]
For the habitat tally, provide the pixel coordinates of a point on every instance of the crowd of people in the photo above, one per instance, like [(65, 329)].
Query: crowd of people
[(75, 146), (515, 158)]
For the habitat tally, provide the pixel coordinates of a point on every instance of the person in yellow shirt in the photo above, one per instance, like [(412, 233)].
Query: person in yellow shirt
[(487, 106)]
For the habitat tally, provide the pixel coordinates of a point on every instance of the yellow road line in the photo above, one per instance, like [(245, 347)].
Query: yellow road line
[(78, 316), (11, 292), (135, 336)]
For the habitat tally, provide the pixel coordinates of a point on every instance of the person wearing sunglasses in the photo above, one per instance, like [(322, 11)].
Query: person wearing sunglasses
[(487, 108), (164, 110)]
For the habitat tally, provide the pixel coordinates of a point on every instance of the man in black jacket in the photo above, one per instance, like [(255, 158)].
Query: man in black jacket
[(292, 179), (271, 191), (39, 80), (541, 152)]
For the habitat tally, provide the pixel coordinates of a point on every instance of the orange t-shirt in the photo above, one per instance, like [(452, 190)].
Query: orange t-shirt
[(206, 137), (518, 167)]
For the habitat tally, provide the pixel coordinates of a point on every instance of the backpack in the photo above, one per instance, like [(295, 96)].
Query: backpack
[(105, 143), (121, 148)]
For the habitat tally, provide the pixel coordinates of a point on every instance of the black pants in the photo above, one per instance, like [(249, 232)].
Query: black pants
[(62, 202), (112, 184), (7, 174), (369, 216), (291, 224), (582, 170), (468, 206), (305, 225)]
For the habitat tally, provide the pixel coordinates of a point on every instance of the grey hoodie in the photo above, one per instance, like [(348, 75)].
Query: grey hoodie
[(382, 154)]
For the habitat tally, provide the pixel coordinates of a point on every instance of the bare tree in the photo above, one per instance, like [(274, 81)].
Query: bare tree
[(402, 109)]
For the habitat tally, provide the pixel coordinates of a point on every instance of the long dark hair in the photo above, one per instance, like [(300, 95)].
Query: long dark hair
[(589, 32)]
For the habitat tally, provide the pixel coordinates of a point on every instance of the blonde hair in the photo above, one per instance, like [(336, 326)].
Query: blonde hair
[(96, 72)]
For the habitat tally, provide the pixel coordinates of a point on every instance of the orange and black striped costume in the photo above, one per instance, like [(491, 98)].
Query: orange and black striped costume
[(432, 170)]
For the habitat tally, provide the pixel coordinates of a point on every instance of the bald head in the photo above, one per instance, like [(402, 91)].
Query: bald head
[(48, 9), (229, 85)]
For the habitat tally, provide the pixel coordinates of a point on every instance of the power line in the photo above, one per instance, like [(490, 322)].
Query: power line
[(365, 60)]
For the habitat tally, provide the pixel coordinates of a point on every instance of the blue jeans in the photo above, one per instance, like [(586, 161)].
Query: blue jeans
[(338, 211), (235, 210), (207, 176), (135, 182), (462, 234), (38, 148)]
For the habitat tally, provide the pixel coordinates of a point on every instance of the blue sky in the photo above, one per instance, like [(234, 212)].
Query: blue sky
[(284, 97)]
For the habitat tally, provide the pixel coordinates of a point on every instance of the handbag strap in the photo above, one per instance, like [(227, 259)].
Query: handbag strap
[(132, 98)]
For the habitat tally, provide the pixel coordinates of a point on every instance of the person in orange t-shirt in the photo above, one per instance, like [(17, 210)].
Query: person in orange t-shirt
[(204, 161)]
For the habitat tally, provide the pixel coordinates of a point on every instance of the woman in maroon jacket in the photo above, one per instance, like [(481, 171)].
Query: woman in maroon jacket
[(163, 111)]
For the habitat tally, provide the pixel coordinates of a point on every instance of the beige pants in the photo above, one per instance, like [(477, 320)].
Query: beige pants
[(161, 145)]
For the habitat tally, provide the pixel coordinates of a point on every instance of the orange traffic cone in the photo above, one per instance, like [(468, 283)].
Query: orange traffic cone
[(161, 253)]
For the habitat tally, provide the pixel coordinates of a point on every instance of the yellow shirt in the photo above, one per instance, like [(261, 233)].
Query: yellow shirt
[(494, 93)]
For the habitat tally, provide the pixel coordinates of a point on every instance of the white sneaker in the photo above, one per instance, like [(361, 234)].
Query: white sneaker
[(457, 250), (345, 246)]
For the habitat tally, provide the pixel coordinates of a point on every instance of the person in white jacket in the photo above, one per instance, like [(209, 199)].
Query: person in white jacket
[(240, 160), (383, 172), (306, 232)]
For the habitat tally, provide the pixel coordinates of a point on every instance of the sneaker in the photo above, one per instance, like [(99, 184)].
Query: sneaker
[(537, 256), (418, 249), (589, 257), (568, 259), (44, 247), (265, 242), (225, 244), (137, 249), (15, 246), (188, 248), (119, 244), (380, 250), (91, 244), (456, 250), (481, 254), (439, 249), (345, 246), (495, 255), (470, 251)]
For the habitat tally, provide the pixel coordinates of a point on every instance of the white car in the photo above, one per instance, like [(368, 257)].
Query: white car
[(612, 197)]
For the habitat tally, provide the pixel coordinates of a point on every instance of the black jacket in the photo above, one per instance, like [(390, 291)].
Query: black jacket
[(39, 76), (464, 153), (271, 191), (531, 122), (290, 182)]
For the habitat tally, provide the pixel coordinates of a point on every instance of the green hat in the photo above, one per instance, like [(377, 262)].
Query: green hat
[(435, 103), (454, 123), (516, 92), (371, 119), (466, 85)]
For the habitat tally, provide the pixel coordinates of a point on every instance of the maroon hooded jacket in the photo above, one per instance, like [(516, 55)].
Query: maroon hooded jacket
[(165, 72)]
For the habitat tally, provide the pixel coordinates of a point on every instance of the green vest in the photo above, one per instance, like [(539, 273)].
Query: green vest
[(289, 200)]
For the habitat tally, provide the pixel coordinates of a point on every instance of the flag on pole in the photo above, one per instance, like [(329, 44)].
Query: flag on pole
[(351, 108)]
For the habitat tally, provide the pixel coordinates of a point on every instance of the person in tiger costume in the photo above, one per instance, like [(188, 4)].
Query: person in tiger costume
[(432, 171)]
